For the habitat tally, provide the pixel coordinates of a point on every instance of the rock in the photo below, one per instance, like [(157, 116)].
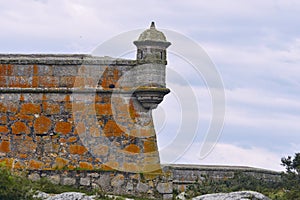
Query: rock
[(41, 195), (34, 177), (243, 195), (85, 181), (69, 181), (95, 186), (104, 181), (181, 196), (55, 179), (129, 186), (117, 181), (142, 187), (164, 188), (70, 196)]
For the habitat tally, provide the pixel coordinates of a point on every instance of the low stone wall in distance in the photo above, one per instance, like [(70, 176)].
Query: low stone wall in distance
[(184, 175), (158, 185), (150, 185)]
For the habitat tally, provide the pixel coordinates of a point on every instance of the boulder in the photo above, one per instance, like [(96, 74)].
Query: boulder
[(64, 196), (243, 195)]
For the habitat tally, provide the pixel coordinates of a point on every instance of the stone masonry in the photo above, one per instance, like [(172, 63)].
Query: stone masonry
[(82, 111)]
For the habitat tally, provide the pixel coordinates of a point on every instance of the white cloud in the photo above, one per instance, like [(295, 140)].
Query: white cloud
[(229, 154)]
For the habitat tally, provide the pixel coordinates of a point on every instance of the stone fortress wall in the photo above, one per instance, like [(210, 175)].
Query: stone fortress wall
[(87, 121), (82, 111)]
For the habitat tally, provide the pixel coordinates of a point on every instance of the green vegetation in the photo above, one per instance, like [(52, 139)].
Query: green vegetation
[(15, 186)]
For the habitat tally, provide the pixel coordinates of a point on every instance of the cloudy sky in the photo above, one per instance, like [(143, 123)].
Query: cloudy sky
[(254, 45)]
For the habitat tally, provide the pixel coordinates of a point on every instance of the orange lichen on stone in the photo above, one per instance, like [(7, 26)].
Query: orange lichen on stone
[(132, 148), (3, 82), (19, 165), (116, 74), (67, 98), (3, 70), (30, 108), (86, 165), (35, 81), (19, 128), (6, 70), (33, 164), (5, 146), (109, 166), (22, 156), (48, 81), (22, 97), (25, 117), (68, 107), (12, 107), (112, 129), (63, 127), (3, 108), (103, 109), (72, 139), (132, 111), (8, 162), (35, 69), (42, 125), (131, 167), (60, 163), (3, 129), (62, 140), (3, 120), (77, 149), (44, 97), (51, 108), (150, 146)]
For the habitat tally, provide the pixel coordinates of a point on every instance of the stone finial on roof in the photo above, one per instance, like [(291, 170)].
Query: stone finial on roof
[(152, 25), (152, 34)]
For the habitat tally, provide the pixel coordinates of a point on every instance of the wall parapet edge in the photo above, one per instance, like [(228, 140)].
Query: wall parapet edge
[(63, 59)]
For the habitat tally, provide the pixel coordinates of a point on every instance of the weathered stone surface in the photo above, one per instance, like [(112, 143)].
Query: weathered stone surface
[(104, 181), (34, 177), (117, 181), (55, 179), (68, 181), (142, 187), (129, 186), (181, 196), (168, 196), (70, 196), (243, 195), (85, 181), (41, 195), (164, 188)]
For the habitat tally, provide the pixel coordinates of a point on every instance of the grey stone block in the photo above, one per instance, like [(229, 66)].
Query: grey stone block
[(68, 181), (142, 187), (85, 181), (164, 188)]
